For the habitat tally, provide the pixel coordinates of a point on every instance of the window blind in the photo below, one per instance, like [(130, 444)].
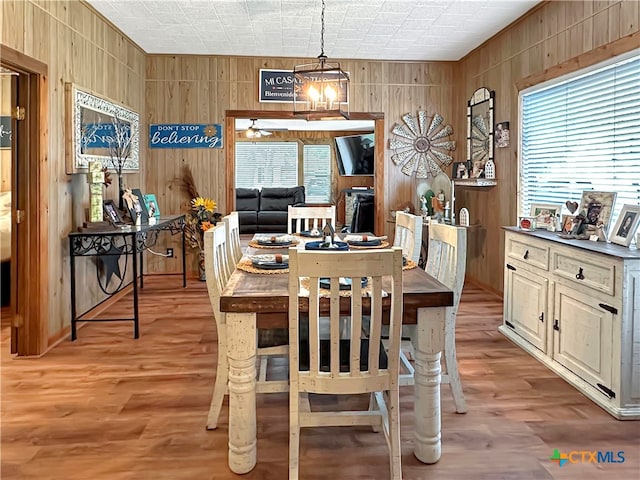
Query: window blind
[(582, 133), (266, 164), (317, 173)]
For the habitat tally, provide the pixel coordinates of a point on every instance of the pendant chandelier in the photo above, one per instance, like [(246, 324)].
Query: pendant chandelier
[(321, 89)]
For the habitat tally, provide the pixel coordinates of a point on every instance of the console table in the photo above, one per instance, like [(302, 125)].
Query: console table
[(113, 242)]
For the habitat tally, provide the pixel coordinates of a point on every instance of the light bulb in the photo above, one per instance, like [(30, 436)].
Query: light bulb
[(331, 95)]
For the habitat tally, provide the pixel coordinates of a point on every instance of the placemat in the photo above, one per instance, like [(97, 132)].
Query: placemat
[(383, 244), (255, 244), (410, 264), (246, 265)]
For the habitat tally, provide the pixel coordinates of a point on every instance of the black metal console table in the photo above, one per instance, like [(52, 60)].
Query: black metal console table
[(113, 242)]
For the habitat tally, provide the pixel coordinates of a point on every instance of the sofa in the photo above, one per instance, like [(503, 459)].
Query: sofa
[(266, 210)]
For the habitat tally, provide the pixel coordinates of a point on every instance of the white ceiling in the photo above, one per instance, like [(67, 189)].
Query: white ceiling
[(354, 29)]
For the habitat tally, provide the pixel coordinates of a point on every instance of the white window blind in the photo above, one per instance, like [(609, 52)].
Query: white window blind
[(582, 133), (317, 173), (266, 164)]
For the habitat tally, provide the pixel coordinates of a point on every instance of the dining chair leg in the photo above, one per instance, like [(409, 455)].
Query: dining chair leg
[(219, 388), (451, 361), (373, 405), (294, 434)]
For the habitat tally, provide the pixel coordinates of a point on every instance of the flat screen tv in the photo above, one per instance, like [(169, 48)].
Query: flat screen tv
[(355, 154)]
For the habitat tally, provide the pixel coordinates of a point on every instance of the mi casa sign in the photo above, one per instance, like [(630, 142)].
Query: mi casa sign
[(279, 85)]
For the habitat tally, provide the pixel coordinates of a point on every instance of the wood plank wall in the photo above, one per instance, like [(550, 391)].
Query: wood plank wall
[(199, 89), (548, 37), (78, 46)]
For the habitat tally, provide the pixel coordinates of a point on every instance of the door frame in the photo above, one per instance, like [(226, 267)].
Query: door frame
[(230, 157), (30, 181)]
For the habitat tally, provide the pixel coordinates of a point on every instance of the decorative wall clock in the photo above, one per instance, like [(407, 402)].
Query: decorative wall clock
[(421, 144)]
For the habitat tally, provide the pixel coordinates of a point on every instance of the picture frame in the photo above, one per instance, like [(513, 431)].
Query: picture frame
[(461, 170), (545, 213), (626, 226), (111, 213), (597, 207), (568, 223), (137, 206), (151, 204)]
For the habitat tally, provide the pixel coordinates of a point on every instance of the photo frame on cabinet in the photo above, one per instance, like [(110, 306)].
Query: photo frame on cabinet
[(597, 207), (568, 223), (545, 213), (626, 226)]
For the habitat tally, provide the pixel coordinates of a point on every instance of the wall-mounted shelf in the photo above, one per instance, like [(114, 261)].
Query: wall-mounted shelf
[(474, 182)]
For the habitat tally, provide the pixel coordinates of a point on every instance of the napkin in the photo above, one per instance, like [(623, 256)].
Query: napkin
[(363, 238), (275, 238), (269, 259)]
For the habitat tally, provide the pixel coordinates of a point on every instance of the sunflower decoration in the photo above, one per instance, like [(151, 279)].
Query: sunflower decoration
[(202, 216), (422, 144)]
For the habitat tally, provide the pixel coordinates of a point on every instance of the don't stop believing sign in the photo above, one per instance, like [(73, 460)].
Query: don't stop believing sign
[(185, 136)]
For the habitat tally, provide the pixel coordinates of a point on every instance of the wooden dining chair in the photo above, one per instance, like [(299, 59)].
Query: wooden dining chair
[(218, 272), (232, 224), (344, 366), (308, 218), (446, 261), (408, 235)]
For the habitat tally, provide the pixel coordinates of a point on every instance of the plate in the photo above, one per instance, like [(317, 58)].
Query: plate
[(307, 233), (368, 243), (269, 265), (326, 283), (338, 246)]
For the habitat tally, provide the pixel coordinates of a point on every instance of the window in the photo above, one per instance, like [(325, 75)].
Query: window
[(582, 133), (275, 164), (317, 173), (266, 164)]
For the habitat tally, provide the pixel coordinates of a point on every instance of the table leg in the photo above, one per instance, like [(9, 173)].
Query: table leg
[(241, 352), (136, 318), (428, 346), (72, 264)]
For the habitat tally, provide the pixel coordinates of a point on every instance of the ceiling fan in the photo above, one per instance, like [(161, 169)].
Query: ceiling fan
[(254, 132)]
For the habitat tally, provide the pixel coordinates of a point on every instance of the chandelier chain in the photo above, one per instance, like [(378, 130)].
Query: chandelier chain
[(322, 31)]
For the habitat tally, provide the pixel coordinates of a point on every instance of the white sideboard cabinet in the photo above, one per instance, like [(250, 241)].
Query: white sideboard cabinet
[(575, 306)]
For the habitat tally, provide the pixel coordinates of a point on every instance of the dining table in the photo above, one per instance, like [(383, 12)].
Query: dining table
[(252, 300)]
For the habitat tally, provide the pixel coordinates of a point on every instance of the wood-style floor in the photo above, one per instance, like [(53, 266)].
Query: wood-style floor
[(114, 408)]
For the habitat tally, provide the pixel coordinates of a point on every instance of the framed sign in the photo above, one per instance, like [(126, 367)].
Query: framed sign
[(185, 136), (276, 86)]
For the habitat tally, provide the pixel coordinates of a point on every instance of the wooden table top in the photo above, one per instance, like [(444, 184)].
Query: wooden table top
[(268, 295)]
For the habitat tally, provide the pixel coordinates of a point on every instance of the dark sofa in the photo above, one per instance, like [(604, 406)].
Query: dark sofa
[(266, 210)]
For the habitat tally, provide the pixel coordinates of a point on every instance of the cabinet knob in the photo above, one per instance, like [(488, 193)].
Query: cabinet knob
[(541, 317), (556, 325), (526, 254), (579, 275)]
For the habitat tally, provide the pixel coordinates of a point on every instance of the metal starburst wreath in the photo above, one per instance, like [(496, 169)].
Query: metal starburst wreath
[(422, 146)]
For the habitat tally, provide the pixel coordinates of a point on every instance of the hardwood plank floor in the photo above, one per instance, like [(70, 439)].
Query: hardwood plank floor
[(111, 407)]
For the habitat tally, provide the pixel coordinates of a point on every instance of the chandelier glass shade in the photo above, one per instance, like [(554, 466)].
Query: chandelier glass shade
[(321, 89)]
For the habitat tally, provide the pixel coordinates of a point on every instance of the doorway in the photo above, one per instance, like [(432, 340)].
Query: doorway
[(378, 180), (26, 178)]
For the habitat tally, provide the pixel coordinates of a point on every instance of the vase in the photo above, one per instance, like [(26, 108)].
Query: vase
[(202, 274), (120, 192)]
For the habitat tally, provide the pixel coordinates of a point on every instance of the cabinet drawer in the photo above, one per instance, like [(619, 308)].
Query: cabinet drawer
[(587, 270), (530, 253)]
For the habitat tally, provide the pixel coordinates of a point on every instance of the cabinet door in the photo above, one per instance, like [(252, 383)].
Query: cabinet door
[(582, 336), (525, 305)]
